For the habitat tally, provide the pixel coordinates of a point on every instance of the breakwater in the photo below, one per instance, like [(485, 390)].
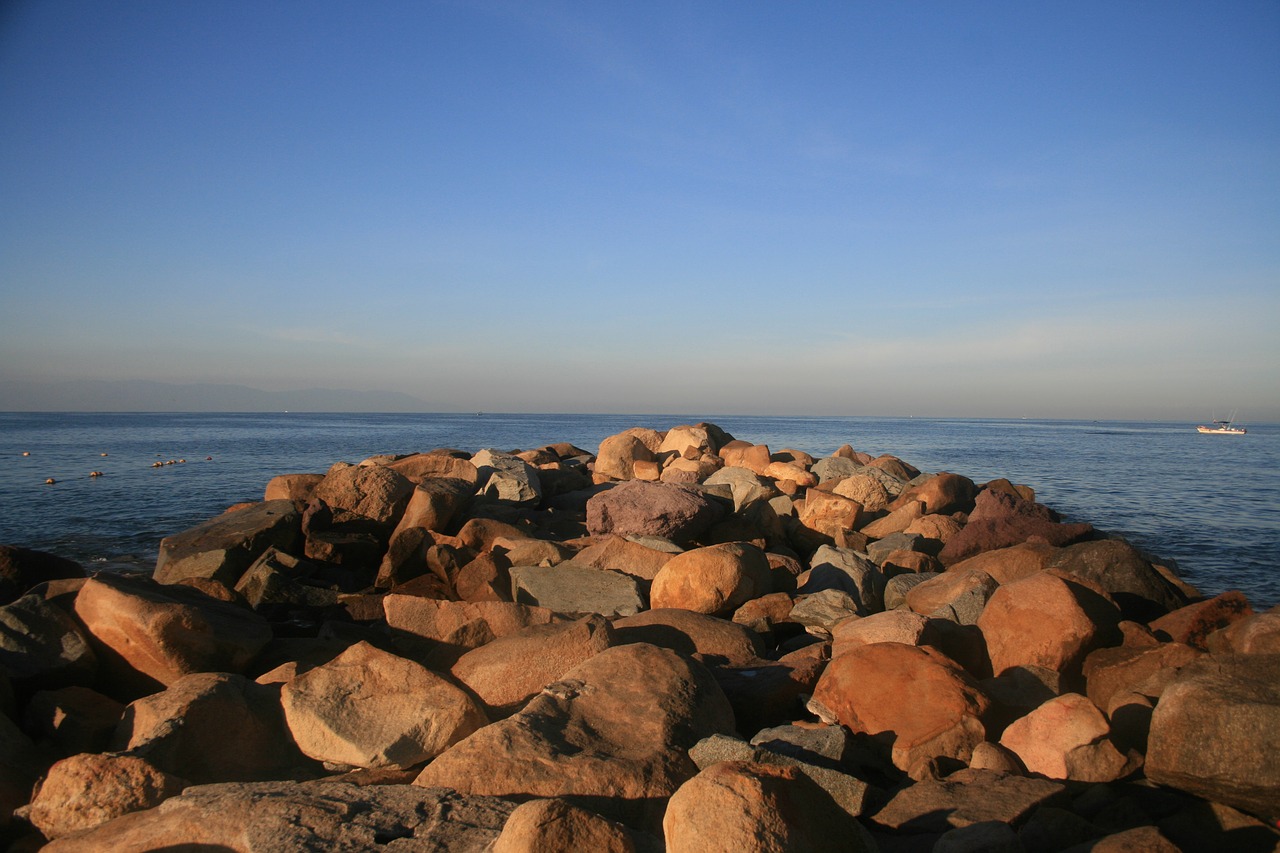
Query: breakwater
[(676, 638)]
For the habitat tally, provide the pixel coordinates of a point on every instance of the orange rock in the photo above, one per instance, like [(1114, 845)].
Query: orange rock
[(1194, 623), (292, 487), (895, 522), (1044, 620), (439, 632), (1067, 738), (716, 642), (932, 705), (508, 671), (714, 579), (370, 708), (553, 824), (1010, 564), (623, 555), (890, 626), (87, 790)]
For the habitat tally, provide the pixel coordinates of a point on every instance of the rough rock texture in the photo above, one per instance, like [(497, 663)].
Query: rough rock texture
[(965, 798), (276, 816), (716, 579), (713, 641), (1216, 733), (41, 645), (735, 806), (23, 568), (86, 790), (1121, 570), (623, 555), (507, 672), (599, 736), (637, 508), (368, 494), (570, 588), (1194, 623), (1000, 519), (1066, 738), (926, 700), (507, 478), (149, 635), (211, 727), (1045, 620), (222, 548), (439, 632), (539, 826), (370, 708)]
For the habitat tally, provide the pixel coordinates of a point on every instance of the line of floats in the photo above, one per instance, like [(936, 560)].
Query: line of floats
[(94, 474)]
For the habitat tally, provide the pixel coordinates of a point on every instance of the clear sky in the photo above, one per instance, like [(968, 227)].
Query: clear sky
[(1043, 209)]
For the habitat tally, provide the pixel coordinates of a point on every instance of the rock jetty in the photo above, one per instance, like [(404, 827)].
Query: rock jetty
[(682, 641)]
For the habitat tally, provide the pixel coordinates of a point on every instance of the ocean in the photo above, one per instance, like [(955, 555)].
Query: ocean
[(1210, 504)]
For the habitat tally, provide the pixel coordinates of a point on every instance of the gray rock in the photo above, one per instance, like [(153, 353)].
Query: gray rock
[(745, 486), (816, 745), (41, 643), (882, 548), (834, 468), (842, 568), (507, 478), (570, 588), (823, 609), (966, 607), (1127, 576), (279, 579), (224, 547), (897, 587)]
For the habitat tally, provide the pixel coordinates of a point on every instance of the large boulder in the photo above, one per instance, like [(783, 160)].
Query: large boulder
[(637, 508), (716, 579), (223, 547), (932, 706), (848, 570), (211, 727), (87, 790), (369, 495), (571, 588), (370, 708), (619, 454), (1215, 733), (1067, 738), (1000, 519), (943, 494), (273, 816), (867, 487), (966, 798), (733, 806), (1128, 577), (1046, 620), (23, 568), (613, 733), (507, 672), (149, 635)]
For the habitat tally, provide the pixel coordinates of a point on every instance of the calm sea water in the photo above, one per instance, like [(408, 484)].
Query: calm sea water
[(1209, 503)]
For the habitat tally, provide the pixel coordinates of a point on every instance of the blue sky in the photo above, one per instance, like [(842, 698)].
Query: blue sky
[(980, 209)]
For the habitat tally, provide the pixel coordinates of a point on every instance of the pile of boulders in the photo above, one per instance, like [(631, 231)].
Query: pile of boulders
[(683, 641)]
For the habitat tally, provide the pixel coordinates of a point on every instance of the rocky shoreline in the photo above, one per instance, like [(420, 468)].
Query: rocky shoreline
[(681, 641)]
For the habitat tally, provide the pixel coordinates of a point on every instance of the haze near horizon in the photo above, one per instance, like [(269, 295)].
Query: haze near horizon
[(981, 210)]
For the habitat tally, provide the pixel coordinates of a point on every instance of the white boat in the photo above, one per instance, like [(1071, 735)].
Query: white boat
[(1226, 427)]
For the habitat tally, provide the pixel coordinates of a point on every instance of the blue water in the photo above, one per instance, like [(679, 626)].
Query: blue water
[(1209, 503)]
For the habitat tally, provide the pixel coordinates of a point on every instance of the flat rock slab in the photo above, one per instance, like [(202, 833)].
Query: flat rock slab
[(274, 816), (570, 588), (224, 547), (964, 798)]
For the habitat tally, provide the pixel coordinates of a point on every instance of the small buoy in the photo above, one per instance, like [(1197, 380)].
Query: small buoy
[(208, 459), (95, 473), (104, 454), (180, 461), (50, 481), (26, 453), (157, 464)]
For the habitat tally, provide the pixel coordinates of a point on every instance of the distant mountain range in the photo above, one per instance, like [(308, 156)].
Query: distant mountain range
[(134, 395)]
